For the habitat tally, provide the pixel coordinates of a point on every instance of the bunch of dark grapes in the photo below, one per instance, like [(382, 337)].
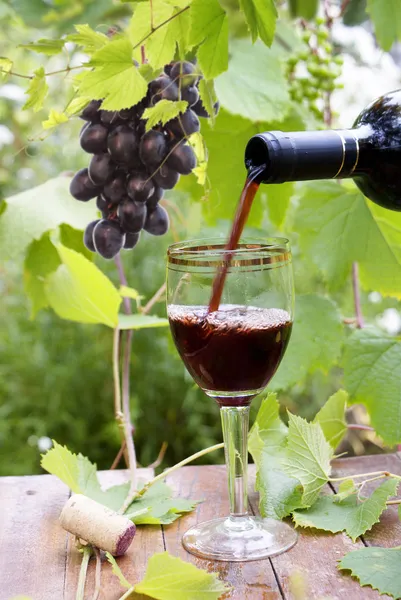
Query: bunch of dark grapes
[(131, 167)]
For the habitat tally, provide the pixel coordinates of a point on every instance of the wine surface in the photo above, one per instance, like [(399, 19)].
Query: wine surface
[(231, 353), (244, 206)]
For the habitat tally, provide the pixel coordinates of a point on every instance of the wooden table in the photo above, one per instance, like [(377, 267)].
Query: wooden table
[(38, 559)]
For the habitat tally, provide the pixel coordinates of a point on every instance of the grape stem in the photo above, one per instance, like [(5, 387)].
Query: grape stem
[(127, 593), (98, 575), (344, 7), (86, 554), (155, 298), (119, 456), (357, 297), (359, 427), (177, 14), (66, 70), (367, 475)]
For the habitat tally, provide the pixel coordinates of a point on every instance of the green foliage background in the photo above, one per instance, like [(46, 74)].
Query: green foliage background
[(55, 375)]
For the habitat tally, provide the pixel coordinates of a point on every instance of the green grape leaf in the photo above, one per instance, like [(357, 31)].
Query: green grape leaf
[(74, 470), (76, 105), (208, 97), (243, 92), (350, 515), (158, 507), (139, 321), (89, 39), (163, 111), (45, 46), (114, 77), (308, 457), (386, 18), (28, 215), (331, 418), (37, 91), (79, 291), (5, 67), (261, 17), (315, 343), (55, 118), (73, 238), (41, 259), (117, 571), (355, 13), (279, 493), (198, 145), (373, 378), (338, 226), (209, 27), (278, 202), (377, 567), (161, 45), (345, 489), (170, 578), (304, 8)]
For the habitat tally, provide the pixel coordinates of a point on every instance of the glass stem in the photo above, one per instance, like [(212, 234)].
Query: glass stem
[(235, 422)]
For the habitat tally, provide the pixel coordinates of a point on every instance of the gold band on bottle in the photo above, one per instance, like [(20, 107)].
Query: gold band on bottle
[(343, 142), (357, 155)]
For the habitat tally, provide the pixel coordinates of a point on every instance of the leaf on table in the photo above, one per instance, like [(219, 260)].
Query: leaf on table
[(345, 489), (315, 344), (377, 567), (37, 91), (331, 418), (338, 225), (170, 578), (209, 29), (241, 91), (279, 493), (373, 377), (349, 515), (386, 18), (162, 507), (163, 111), (261, 17), (308, 457), (79, 291), (89, 39), (117, 571), (114, 77), (138, 321), (45, 46), (30, 214)]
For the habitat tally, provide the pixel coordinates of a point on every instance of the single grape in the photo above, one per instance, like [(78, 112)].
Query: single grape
[(201, 111), (81, 187), (100, 168), (122, 144), (185, 73), (132, 215), (128, 113), (153, 148), (91, 111), (167, 68), (131, 240), (162, 88), (183, 125), (101, 202), (190, 94), (157, 221), (109, 117), (108, 238), (155, 198), (182, 159), (94, 138), (88, 235), (114, 188), (139, 186), (141, 128), (166, 178)]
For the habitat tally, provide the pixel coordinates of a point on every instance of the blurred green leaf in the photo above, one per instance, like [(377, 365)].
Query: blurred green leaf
[(373, 378), (377, 567), (79, 291), (315, 343), (331, 418), (37, 91), (261, 17), (209, 28), (5, 67), (278, 202), (89, 39), (138, 321), (304, 8), (355, 13), (386, 18), (45, 46), (54, 119), (242, 91)]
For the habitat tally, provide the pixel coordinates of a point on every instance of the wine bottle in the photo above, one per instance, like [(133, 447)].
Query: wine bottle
[(370, 153)]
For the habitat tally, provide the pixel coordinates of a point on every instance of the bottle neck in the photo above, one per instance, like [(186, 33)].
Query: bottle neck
[(308, 155)]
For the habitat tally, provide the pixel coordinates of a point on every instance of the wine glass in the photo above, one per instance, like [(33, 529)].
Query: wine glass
[(232, 353)]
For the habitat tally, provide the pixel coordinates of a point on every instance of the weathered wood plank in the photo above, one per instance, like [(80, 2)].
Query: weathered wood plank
[(250, 581), (147, 541), (32, 544)]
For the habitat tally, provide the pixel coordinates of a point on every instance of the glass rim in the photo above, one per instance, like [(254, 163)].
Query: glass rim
[(212, 251)]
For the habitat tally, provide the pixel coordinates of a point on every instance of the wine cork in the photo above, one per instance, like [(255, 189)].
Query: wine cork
[(97, 524)]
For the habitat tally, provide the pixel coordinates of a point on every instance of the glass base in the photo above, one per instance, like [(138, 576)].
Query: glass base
[(239, 539)]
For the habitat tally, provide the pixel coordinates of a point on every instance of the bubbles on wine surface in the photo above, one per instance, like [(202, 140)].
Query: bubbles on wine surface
[(130, 167)]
